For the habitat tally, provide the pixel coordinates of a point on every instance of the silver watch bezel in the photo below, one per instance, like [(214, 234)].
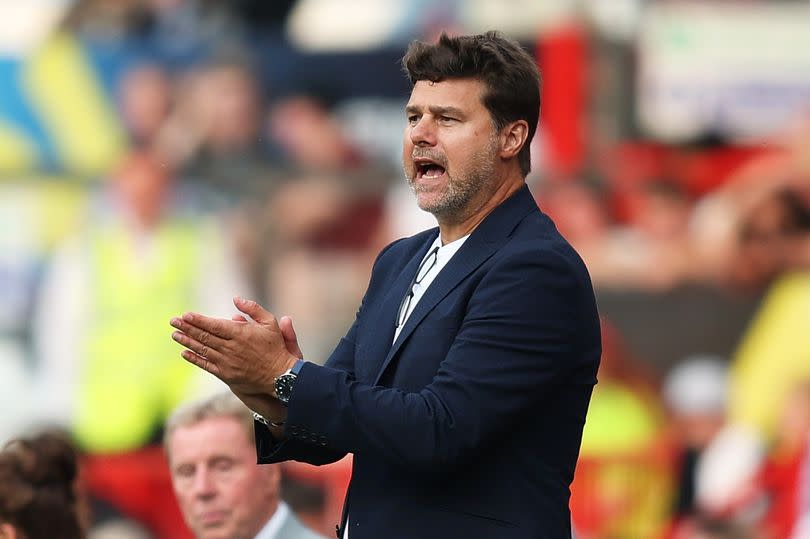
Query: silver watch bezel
[(283, 386)]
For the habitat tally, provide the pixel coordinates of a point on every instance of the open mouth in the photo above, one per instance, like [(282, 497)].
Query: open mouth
[(428, 170)]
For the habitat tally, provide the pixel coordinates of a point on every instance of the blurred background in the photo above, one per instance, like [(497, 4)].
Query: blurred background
[(158, 156)]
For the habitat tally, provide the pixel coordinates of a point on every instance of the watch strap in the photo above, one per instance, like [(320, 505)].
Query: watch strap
[(296, 368)]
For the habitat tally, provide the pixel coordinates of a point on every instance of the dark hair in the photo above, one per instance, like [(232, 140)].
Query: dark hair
[(509, 72), (37, 487)]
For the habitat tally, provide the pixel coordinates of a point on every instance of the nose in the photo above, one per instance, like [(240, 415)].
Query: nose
[(422, 132), (204, 486)]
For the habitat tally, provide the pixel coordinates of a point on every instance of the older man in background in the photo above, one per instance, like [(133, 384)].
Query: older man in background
[(222, 492)]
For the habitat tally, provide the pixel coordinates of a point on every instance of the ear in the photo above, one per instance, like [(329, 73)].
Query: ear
[(512, 138)]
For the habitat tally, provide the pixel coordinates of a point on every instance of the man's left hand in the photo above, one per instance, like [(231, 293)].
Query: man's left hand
[(246, 355)]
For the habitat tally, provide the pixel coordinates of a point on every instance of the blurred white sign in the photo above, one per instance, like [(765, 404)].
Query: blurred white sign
[(329, 25), (740, 70), (24, 23)]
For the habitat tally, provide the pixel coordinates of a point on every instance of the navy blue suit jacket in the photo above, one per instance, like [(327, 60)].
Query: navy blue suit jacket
[(469, 425)]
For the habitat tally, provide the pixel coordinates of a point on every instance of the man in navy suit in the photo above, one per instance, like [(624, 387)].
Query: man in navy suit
[(463, 384)]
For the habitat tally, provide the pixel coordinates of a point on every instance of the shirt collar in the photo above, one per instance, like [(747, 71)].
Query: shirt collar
[(271, 529)]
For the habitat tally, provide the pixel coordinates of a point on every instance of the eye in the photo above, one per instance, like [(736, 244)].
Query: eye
[(184, 470), (223, 464), (413, 118), (447, 119)]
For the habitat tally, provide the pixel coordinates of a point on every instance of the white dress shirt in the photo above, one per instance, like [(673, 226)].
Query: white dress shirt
[(443, 256)]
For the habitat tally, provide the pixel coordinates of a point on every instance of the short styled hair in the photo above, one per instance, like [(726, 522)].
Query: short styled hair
[(509, 73), (224, 404)]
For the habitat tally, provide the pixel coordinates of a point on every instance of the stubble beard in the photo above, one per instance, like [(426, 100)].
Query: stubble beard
[(453, 205)]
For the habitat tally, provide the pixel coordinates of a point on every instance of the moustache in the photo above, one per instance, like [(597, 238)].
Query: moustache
[(437, 158)]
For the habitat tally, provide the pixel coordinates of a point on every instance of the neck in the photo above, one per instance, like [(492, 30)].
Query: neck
[(452, 228)]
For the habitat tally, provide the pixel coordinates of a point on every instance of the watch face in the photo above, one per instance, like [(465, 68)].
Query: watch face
[(284, 386)]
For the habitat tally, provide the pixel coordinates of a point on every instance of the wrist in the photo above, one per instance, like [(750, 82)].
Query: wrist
[(284, 384), (268, 422)]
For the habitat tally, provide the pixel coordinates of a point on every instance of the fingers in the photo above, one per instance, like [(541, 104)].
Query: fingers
[(254, 310), (199, 335), (218, 327), (239, 318), (199, 354), (290, 338), (200, 362)]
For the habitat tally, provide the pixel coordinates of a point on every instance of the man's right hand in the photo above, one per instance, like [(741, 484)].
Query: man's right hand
[(266, 405)]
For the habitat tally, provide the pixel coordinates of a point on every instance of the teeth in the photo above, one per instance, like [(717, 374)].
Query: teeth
[(431, 170)]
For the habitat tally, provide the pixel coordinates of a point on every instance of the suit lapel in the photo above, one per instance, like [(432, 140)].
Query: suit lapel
[(386, 316), (485, 241)]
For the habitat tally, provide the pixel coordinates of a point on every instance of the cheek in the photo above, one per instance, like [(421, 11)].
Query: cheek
[(185, 499), (407, 146), (247, 489), (182, 491)]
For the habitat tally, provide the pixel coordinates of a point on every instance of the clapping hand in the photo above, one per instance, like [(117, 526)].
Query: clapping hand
[(246, 352)]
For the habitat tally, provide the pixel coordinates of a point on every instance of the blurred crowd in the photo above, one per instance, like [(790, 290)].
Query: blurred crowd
[(198, 153)]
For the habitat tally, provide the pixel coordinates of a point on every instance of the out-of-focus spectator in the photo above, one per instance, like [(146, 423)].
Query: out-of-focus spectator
[(695, 392), (222, 492), (144, 102), (309, 136), (318, 221), (621, 484), (764, 239), (213, 135), (39, 492), (756, 226), (579, 211), (725, 472), (660, 220), (651, 251), (775, 347), (327, 213), (767, 237), (778, 483), (102, 365)]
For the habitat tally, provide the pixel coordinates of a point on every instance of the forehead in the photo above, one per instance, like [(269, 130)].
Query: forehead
[(219, 435), (464, 94)]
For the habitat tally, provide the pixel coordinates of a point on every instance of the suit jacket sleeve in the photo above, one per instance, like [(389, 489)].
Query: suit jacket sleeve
[(518, 339), (270, 450)]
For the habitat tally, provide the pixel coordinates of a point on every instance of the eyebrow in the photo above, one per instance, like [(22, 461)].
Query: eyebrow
[(436, 110)]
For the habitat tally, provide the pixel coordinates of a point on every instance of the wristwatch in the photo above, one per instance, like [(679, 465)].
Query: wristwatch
[(284, 383)]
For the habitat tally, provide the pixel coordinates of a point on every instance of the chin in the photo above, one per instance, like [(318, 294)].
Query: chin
[(430, 204), (218, 534), (214, 532)]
